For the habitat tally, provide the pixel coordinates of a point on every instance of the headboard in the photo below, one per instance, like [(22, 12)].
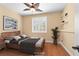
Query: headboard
[(8, 34)]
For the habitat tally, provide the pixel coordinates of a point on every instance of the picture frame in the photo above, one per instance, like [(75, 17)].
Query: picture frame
[(9, 23)]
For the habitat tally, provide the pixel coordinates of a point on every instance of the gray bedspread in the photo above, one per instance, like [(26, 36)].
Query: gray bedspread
[(28, 45)]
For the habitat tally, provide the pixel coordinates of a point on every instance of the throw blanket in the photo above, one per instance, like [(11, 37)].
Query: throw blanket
[(28, 45)]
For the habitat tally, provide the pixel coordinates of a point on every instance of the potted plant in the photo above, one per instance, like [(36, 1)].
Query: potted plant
[(55, 35)]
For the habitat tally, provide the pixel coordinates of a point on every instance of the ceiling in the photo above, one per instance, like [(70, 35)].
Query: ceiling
[(46, 7)]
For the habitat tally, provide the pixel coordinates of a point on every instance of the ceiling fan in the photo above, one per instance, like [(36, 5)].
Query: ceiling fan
[(32, 7)]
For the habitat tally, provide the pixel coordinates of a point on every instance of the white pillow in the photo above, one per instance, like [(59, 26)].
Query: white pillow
[(7, 41), (24, 36), (16, 37), (35, 37)]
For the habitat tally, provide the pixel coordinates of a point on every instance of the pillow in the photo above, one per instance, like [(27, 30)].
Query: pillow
[(9, 38), (7, 41), (24, 36), (34, 37), (16, 37)]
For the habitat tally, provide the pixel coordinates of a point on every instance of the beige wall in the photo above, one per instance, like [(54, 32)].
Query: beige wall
[(68, 28), (7, 12), (53, 19)]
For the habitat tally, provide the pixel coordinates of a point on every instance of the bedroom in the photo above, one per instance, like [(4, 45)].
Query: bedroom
[(59, 15)]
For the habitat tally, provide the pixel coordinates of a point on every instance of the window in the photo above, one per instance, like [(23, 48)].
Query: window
[(39, 24)]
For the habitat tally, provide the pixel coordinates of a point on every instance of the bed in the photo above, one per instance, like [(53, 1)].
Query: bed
[(25, 44)]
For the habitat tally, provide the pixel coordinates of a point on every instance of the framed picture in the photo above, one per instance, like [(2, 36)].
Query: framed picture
[(9, 23)]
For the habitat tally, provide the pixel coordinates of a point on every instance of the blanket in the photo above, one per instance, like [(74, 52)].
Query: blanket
[(28, 45)]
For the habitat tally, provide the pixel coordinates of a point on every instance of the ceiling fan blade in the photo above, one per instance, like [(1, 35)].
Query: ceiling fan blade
[(27, 4), (36, 5), (38, 10), (26, 9)]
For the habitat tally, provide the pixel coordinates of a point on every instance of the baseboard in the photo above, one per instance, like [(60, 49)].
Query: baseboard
[(66, 49), (49, 41)]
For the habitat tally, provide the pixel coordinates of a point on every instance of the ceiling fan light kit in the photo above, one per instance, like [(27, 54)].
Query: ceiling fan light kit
[(32, 7)]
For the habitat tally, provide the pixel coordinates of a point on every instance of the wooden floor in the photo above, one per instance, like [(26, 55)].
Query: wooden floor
[(49, 50), (54, 50)]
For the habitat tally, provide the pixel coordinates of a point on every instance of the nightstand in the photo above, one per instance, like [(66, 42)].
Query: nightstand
[(2, 44)]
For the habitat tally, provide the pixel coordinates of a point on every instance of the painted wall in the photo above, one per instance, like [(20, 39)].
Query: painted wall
[(53, 19), (8, 12), (68, 28)]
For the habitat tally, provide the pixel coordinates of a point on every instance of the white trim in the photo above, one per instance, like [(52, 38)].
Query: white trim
[(66, 49), (49, 41)]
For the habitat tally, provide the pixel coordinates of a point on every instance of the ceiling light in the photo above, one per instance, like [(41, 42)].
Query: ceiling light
[(32, 9)]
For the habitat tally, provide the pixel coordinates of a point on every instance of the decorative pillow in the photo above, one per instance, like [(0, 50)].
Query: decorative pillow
[(17, 38), (24, 36)]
